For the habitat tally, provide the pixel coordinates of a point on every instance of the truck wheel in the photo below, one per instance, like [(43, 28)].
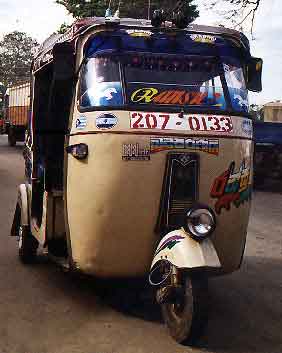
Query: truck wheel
[(186, 317), (12, 139), (27, 245)]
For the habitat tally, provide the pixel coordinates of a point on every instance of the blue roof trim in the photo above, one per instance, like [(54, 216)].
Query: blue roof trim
[(160, 43)]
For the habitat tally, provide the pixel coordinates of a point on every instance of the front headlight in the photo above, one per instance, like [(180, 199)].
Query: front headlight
[(200, 222)]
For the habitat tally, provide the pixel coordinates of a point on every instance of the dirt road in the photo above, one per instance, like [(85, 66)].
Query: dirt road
[(45, 310)]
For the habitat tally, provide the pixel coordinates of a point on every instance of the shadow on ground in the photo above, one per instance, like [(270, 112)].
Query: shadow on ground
[(245, 307)]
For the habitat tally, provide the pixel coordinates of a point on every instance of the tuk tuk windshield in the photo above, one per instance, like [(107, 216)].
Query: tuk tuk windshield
[(159, 81)]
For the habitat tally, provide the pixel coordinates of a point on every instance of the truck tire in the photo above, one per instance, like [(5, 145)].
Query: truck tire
[(12, 138)]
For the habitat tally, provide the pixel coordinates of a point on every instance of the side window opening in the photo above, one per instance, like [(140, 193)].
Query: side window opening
[(41, 95), (48, 138)]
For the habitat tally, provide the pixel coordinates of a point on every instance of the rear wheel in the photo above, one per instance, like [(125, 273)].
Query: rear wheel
[(186, 317), (27, 245)]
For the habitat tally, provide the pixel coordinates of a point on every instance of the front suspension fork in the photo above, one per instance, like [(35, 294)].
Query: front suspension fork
[(171, 289)]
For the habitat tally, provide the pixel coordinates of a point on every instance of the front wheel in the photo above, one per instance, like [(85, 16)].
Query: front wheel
[(186, 316), (12, 139), (27, 245)]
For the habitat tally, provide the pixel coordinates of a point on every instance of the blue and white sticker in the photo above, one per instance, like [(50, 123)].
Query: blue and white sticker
[(247, 127), (81, 123), (106, 121)]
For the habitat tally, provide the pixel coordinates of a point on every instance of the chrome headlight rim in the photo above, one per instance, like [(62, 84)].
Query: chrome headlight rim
[(194, 212)]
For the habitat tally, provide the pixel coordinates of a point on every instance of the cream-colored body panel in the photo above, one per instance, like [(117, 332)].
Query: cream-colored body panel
[(112, 208), (183, 252), (113, 205)]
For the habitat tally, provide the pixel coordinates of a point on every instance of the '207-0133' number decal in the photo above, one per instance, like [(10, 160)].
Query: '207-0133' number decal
[(174, 122)]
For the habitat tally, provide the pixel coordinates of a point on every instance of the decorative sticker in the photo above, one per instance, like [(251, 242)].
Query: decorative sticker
[(232, 187), (195, 122), (210, 146), (203, 38), (106, 121), (139, 33), (135, 152), (247, 127), (102, 94), (226, 68), (81, 123), (238, 99), (150, 95), (169, 243)]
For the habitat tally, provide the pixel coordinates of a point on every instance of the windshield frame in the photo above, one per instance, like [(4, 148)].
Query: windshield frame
[(161, 108)]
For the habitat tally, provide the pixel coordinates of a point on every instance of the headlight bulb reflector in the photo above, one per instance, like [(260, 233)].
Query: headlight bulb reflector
[(200, 222)]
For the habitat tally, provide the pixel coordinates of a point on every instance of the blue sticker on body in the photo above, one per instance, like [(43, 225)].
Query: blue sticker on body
[(81, 122), (106, 121), (247, 127)]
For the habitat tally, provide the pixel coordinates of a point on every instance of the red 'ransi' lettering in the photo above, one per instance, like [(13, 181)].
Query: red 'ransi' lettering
[(170, 97), (197, 98)]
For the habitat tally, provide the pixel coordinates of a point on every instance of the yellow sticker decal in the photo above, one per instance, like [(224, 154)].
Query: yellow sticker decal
[(139, 33)]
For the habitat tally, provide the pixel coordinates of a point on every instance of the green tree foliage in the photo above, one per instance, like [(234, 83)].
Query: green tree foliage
[(64, 27), (135, 8), (16, 55)]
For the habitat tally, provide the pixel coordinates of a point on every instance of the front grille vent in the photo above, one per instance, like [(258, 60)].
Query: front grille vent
[(179, 206), (180, 190)]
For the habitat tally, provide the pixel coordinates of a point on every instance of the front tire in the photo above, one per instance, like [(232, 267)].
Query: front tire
[(12, 139), (186, 318), (27, 245)]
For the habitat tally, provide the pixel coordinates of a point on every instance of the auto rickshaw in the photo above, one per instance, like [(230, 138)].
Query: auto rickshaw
[(139, 157)]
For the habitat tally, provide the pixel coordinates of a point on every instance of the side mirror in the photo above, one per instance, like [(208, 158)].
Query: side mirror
[(64, 62), (254, 73)]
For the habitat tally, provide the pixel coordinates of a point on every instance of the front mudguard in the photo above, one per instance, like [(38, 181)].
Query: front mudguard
[(178, 248), (21, 212)]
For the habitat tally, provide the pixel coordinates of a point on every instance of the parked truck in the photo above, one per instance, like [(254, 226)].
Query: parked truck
[(16, 112), (2, 94), (268, 148)]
